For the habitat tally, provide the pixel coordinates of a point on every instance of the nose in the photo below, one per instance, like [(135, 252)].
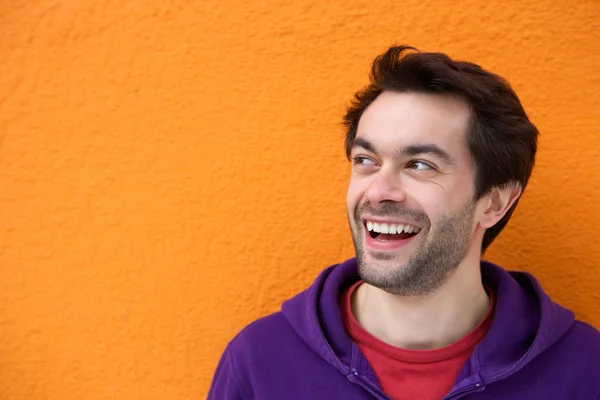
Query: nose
[(386, 186)]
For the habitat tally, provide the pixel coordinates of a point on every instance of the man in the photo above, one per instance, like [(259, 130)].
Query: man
[(441, 151)]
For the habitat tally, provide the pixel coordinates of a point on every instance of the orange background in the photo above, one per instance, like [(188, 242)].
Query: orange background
[(172, 170)]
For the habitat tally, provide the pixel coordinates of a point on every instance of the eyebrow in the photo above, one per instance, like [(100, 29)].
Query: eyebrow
[(409, 151)]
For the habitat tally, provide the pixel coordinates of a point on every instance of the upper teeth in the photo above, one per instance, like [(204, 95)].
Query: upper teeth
[(391, 228)]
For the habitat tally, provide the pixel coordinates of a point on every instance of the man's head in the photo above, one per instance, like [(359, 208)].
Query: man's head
[(440, 149)]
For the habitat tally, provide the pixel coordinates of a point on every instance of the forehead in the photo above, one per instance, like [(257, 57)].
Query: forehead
[(401, 119)]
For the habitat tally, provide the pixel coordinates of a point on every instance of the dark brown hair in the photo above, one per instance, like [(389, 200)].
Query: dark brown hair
[(501, 139)]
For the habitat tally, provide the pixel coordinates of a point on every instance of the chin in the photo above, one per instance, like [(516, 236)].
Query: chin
[(384, 257)]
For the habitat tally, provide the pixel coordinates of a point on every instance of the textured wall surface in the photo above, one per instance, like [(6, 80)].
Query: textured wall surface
[(171, 170)]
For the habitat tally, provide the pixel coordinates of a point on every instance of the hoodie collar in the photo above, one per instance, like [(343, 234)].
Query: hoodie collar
[(526, 322), (316, 316)]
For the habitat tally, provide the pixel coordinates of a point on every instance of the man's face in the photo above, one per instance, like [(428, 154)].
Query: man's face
[(410, 199)]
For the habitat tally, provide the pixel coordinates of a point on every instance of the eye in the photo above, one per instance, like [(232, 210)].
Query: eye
[(420, 166), (360, 160)]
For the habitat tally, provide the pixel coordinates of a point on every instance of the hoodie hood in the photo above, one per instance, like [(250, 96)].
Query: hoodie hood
[(526, 323), (316, 316)]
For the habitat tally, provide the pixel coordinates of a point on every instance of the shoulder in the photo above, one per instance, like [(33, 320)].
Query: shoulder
[(260, 339), (266, 353), (579, 349), (584, 334), (264, 328), (246, 355), (583, 339), (582, 344)]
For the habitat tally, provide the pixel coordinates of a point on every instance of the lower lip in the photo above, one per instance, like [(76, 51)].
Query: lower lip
[(386, 245)]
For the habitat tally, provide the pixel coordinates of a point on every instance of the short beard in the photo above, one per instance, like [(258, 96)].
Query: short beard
[(430, 265)]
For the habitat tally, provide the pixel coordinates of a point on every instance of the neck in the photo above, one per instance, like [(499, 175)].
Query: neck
[(425, 323)]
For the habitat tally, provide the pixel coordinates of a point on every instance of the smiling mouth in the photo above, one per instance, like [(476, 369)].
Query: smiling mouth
[(389, 232)]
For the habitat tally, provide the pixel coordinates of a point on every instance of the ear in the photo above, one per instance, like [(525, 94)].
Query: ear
[(497, 203)]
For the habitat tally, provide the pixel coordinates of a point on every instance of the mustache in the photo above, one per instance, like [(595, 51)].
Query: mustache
[(392, 210)]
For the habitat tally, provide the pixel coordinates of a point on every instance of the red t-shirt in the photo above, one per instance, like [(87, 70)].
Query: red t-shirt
[(413, 374)]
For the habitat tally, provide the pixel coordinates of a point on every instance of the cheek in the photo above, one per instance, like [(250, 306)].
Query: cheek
[(437, 201), (356, 190), (462, 193), (433, 199)]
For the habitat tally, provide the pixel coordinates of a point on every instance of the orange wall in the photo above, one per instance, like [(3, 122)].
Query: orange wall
[(172, 170)]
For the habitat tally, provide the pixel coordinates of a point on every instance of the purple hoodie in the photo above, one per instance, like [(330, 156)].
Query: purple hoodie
[(535, 349)]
